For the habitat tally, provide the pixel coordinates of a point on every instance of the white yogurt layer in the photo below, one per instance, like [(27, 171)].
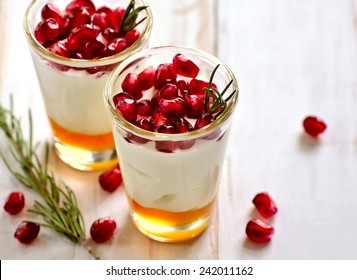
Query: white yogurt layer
[(74, 99), (180, 181)]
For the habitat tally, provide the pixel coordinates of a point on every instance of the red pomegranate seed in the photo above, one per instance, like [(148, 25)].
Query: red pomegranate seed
[(15, 202), (168, 91), (258, 231), (182, 88), (93, 49), (164, 74), (144, 107), (27, 232), (184, 66), (127, 108), (80, 36), (76, 5), (102, 17), (111, 179), (203, 121), (145, 124), (121, 96), (51, 10), (115, 46), (109, 34), (159, 118), (165, 146), (265, 205), (47, 30), (314, 126), (146, 77), (196, 87), (79, 18), (116, 17), (103, 229), (132, 36), (132, 86), (60, 48), (194, 106), (174, 108), (181, 125)]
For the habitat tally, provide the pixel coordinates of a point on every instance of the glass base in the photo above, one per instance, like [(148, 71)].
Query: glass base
[(83, 159), (170, 234)]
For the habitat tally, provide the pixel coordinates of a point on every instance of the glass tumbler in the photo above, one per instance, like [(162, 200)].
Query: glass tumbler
[(171, 179), (72, 88)]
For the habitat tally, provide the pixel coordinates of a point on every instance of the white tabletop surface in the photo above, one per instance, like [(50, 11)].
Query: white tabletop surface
[(291, 59)]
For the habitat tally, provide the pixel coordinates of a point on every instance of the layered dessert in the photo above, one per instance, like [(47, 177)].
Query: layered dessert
[(171, 130), (77, 44)]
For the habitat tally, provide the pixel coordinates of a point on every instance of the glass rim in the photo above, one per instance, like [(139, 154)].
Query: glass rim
[(119, 119), (145, 34)]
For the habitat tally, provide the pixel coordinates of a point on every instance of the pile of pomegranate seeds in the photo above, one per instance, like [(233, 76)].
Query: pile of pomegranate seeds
[(314, 126), (167, 99), (103, 229), (111, 179), (257, 230), (27, 232), (14, 203), (83, 31)]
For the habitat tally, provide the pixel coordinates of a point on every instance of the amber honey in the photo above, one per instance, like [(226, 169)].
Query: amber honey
[(95, 142), (168, 226)]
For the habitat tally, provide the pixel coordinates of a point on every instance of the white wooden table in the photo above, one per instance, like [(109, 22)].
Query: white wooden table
[(291, 59)]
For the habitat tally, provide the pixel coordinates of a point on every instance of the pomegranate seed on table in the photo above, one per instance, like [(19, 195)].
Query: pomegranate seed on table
[(194, 106), (111, 179), (127, 108), (76, 5), (259, 231), (146, 78), (174, 108), (314, 126), (14, 203), (132, 86), (165, 146), (265, 205), (164, 74), (47, 31), (27, 232), (144, 107), (184, 66), (103, 229)]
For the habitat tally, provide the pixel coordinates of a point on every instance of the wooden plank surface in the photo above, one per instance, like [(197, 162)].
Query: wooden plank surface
[(291, 59)]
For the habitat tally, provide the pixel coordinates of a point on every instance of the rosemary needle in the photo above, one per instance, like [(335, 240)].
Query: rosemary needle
[(59, 208)]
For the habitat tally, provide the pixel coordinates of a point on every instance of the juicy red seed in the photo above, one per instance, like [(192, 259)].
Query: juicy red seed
[(109, 34), (265, 205), (127, 108), (258, 231), (47, 30), (314, 126), (132, 86), (80, 36), (60, 48), (145, 124), (164, 74), (102, 17), (182, 125), (146, 77), (103, 229), (165, 146), (27, 232), (144, 107), (184, 66), (79, 18), (168, 91), (111, 179), (182, 88), (115, 46), (51, 10), (15, 202), (116, 17), (132, 36), (196, 87), (203, 121), (76, 5), (121, 96), (93, 49), (159, 118), (194, 106), (173, 107)]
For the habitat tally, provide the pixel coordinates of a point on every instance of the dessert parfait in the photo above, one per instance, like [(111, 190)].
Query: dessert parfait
[(171, 109), (75, 44)]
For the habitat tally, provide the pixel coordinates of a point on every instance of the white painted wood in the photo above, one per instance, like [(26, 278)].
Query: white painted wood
[(291, 59)]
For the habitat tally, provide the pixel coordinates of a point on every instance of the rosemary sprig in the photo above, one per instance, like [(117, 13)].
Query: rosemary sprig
[(128, 21), (215, 103), (59, 211)]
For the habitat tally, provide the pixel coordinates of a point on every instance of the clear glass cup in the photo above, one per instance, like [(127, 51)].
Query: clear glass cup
[(171, 194), (72, 91)]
